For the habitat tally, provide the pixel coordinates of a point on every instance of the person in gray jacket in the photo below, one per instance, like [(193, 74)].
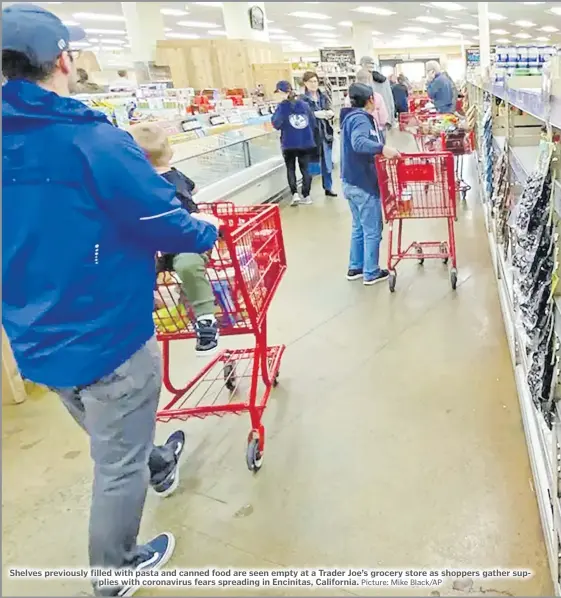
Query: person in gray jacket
[(380, 84)]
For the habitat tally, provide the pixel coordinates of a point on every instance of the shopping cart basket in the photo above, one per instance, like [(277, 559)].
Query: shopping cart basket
[(244, 269), (417, 102), (459, 142), (422, 125), (418, 186)]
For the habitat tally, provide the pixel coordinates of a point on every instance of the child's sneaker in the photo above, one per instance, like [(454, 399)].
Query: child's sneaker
[(295, 200), (207, 336), (306, 201)]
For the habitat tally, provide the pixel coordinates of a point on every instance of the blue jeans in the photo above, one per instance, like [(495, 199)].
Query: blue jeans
[(326, 177), (366, 236)]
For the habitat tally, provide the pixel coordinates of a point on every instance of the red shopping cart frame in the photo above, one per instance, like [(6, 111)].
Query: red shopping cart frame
[(418, 186), (244, 269)]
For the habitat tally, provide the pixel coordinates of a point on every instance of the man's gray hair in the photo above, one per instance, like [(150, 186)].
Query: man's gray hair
[(364, 76), (433, 65)]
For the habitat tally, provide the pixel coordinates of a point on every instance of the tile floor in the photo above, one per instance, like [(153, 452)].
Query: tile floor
[(393, 440)]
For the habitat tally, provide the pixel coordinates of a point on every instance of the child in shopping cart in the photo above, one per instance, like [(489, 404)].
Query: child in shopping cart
[(190, 267)]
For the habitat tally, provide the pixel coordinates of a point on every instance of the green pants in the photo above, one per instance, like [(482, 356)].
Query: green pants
[(191, 269)]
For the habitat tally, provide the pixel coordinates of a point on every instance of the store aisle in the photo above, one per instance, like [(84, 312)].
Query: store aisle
[(394, 439)]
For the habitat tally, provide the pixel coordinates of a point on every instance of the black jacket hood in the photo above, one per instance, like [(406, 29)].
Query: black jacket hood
[(378, 77)]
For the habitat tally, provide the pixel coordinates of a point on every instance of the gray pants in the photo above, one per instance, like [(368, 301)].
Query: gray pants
[(119, 414)]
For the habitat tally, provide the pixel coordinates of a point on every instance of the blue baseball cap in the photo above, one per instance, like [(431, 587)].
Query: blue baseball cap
[(283, 86), (37, 33)]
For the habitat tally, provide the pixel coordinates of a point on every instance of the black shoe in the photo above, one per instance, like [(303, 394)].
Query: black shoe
[(207, 337), (169, 484), (354, 274), (382, 275), (330, 193)]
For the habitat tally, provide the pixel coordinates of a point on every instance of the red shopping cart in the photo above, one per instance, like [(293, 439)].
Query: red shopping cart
[(422, 125), (417, 102), (418, 186), (459, 142), (244, 269)]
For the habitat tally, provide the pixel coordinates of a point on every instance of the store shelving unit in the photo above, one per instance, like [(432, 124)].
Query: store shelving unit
[(518, 122)]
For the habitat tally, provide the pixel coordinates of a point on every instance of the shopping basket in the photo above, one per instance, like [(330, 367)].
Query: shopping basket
[(244, 269), (418, 186)]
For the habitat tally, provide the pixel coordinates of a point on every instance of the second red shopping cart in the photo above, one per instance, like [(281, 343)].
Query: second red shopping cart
[(413, 187), (245, 270)]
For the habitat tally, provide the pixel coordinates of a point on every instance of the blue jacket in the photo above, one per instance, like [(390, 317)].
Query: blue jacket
[(83, 215), (360, 142), (400, 95), (441, 92), (297, 124)]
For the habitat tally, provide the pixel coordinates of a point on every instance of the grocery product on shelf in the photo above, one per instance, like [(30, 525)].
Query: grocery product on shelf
[(521, 60)]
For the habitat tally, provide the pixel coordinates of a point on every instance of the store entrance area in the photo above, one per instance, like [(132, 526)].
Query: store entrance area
[(394, 439)]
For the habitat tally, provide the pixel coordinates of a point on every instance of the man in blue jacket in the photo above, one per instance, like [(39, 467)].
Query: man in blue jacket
[(360, 144), (440, 88), (83, 215)]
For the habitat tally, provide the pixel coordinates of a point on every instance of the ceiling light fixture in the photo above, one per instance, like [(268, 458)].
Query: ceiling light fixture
[(118, 42), (374, 10), (173, 12), (500, 31), (108, 31), (70, 23), (542, 38), (467, 27), (94, 16), (523, 35), (448, 6), (493, 16), (429, 19), (176, 35), (549, 29), (324, 35), (524, 23), (317, 27), (555, 10), (198, 24), (309, 15), (452, 34), (346, 23), (503, 40), (415, 30), (275, 30)]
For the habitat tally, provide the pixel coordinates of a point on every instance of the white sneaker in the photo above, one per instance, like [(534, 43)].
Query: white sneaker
[(307, 201), (295, 200)]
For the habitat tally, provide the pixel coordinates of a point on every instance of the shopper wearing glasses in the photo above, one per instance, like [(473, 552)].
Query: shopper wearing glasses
[(83, 216)]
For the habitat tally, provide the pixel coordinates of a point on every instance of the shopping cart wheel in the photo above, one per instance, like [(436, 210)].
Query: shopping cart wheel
[(444, 249), (392, 279), (230, 376), (454, 278), (276, 380), (419, 251), (464, 194), (254, 457)]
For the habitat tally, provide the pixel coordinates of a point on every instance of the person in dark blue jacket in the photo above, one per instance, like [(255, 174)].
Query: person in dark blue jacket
[(400, 93), (440, 88), (83, 216), (360, 144), (296, 123)]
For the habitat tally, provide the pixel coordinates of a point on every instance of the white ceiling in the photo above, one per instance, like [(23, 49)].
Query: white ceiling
[(411, 24)]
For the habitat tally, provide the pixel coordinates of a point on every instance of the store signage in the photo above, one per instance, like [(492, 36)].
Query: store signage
[(473, 56), (343, 57), (256, 18)]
